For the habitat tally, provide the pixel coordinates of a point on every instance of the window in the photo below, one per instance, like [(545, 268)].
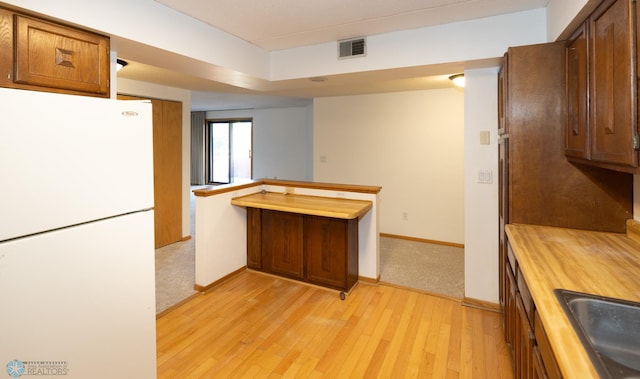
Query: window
[(229, 151)]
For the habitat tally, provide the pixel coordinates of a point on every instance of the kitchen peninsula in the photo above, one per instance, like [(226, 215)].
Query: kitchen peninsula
[(222, 227), (309, 238)]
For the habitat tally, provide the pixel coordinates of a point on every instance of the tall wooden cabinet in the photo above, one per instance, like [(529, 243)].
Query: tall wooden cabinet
[(538, 185), (167, 169)]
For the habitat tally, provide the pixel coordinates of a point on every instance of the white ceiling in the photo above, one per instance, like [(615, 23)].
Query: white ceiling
[(283, 24)]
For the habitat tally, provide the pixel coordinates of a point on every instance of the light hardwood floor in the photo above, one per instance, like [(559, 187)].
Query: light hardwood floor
[(260, 326)]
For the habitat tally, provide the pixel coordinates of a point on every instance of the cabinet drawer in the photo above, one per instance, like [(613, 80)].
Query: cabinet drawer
[(527, 300), (511, 258), (56, 56), (544, 348)]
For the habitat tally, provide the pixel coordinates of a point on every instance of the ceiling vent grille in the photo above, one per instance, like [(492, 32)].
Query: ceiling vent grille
[(349, 48)]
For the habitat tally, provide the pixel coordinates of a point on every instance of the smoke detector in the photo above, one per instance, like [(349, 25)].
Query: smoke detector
[(353, 47)]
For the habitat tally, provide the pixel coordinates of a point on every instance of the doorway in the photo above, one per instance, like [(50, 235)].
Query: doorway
[(229, 151)]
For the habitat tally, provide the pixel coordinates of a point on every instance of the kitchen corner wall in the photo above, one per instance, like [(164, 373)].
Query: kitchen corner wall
[(411, 144), (481, 199)]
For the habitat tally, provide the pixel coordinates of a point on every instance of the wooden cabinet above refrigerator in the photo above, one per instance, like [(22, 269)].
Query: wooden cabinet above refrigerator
[(42, 55)]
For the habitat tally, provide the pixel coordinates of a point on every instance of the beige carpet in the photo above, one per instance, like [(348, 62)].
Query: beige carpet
[(175, 274), (175, 268), (427, 267)]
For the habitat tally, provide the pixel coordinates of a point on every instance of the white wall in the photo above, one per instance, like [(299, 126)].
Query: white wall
[(411, 144), (481, 200), (282, 141), (456, 42), (133, 87), (559, 15)]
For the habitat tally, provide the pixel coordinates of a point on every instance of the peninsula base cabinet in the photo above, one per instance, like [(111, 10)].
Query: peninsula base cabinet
[(531, 353), (313, 249)]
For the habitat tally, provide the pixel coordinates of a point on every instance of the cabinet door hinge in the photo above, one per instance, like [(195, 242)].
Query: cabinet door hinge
[(636, 142)]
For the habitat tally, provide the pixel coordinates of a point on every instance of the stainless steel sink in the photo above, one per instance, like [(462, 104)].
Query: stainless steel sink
[(609, 330)]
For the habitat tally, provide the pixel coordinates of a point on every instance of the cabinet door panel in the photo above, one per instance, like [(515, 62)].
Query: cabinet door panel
[(545, 352), (282, 243), (325, 248), (538, 371), (612, 87), (254, 238), (502, 97), (55, 56), (510, 310), (525, 343), (577, 110)]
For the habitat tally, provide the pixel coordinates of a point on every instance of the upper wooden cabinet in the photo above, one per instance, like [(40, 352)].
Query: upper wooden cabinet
[(41, 55), (602, 127), (502, 99), (577, 129)]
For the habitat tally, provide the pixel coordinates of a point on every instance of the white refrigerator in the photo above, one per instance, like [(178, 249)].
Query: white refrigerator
[(77, 268)]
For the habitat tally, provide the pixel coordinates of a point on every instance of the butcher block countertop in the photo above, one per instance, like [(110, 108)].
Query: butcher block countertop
[(599, 263), (303, 204)]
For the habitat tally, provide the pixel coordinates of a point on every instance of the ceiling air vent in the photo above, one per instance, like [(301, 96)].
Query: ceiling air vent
[(355, 47)]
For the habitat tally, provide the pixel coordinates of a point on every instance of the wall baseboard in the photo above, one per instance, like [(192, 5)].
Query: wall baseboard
[(174, 306), (206, 288), (481, 304), (364, 279), (453, 244)]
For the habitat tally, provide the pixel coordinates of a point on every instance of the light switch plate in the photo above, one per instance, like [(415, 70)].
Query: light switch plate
[(485, 137), (485, 176)]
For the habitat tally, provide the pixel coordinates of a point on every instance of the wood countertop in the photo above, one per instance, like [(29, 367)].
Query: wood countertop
[(303, 204), (599, 263)]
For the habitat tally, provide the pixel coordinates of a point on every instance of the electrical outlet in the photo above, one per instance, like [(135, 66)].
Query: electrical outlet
[(405, 216)]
